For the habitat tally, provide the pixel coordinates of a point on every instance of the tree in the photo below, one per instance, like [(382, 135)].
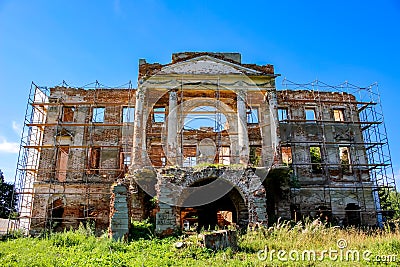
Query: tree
[(8, 198), (390, 203)]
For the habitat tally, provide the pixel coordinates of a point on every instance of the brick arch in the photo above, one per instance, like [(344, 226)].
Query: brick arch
[(193, 177), (245, 181), (235, 200)]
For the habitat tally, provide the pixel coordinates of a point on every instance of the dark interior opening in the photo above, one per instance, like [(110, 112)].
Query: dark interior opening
[(221, 212), (353, 216), (324, 213), (55, 214)]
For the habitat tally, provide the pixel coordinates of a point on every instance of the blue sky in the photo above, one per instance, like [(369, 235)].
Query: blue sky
[(83, 41)]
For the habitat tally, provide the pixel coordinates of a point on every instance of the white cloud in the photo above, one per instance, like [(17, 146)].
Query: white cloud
[(8, 147), (17, 128)]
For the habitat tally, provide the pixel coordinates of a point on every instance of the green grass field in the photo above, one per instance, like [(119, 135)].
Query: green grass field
[(310, 244)]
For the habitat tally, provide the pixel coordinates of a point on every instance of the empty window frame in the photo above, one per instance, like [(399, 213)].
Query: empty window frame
[(189, 162), (282, 114), (159, 114), (224, 155), (128, 114), (163, 161), (252, 115), (189, 156), (125, 160), (62, 163), (345, 160), (338, 114), (68, 114), (255, 155), (98, 114), (310, 114), (94, 160), (286, 152), (316, 159)]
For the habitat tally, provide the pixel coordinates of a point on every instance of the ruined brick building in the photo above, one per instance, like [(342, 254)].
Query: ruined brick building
[(204, 140)]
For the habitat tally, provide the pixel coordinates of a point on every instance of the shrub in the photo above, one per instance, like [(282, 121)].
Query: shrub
[(141, 230)]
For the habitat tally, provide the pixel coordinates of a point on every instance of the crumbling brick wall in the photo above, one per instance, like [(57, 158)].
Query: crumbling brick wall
[(85, 192)]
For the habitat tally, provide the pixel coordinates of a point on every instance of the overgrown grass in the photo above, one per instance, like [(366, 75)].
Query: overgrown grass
[(81, 248)]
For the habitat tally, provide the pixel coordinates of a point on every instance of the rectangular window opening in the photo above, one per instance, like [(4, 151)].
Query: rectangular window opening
[(286, 155), (189, 162), (338, 114), (159, 114), (345, 161), (252, 115), (163, 161), (224, 155), (98, 115), (255, 155), (189, 156), (68, 114), (282, 114), (62, 163), (94, 160), (125, 160), (128, 114), (316, 159), (310, 114)]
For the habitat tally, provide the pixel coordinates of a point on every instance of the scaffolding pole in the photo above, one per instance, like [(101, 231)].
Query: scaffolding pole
[(365, 113), (30, 171)]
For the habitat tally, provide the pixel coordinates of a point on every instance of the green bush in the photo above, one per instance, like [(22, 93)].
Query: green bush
[(141, 229)]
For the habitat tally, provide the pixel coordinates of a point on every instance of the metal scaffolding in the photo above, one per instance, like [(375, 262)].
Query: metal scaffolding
[(365, 114), (31, 171)]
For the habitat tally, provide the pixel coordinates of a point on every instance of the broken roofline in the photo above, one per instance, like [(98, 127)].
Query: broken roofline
[(230, 59)]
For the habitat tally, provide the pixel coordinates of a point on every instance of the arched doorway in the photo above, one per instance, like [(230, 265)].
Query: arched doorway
[(229, 209)]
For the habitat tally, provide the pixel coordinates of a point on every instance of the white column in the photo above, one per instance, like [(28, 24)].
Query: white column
[(243, 140), (267, 153), (172, 133), (137, 160), (275, 138)]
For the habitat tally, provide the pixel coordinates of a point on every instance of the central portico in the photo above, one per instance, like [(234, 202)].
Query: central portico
[(201, 122)]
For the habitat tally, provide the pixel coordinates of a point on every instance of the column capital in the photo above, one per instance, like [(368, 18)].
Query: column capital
[(271, 95), (241, 93), (140, 92), (172, 95)]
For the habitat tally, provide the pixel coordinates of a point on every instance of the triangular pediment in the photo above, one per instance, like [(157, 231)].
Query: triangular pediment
[(206, 65)]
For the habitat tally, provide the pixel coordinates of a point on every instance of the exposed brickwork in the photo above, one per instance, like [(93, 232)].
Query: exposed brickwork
[(80, 158)]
